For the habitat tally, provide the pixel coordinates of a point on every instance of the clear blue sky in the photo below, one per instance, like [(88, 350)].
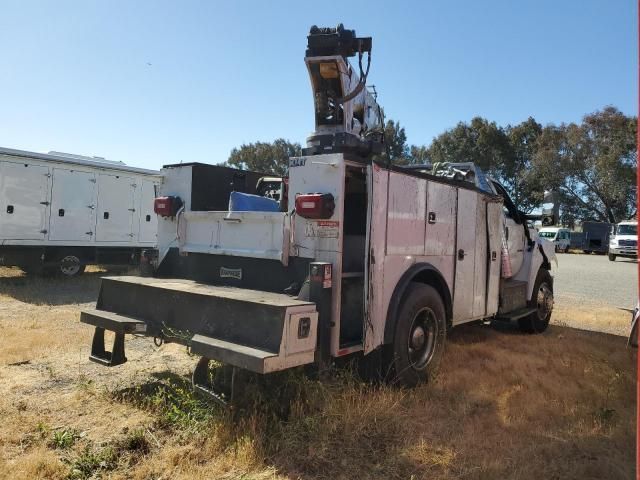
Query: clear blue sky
[(75, 74)]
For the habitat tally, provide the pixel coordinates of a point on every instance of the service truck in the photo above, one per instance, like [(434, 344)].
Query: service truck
[(60, 212), (365, 258)]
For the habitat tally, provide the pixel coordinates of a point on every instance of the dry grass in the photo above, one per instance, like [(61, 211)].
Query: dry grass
[(556, 406)]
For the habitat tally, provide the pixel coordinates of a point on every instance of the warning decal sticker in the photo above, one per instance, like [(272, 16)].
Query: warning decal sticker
[(323, 229)]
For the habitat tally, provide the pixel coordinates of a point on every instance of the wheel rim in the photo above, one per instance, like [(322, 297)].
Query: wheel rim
[(422, 338), (544, 301), (70, 265)]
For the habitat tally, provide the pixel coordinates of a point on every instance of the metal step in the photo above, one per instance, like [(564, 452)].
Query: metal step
[(112, 321), (241, 356), (516, 314)]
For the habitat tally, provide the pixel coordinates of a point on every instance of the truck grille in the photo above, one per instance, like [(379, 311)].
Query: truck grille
[(628, 243)]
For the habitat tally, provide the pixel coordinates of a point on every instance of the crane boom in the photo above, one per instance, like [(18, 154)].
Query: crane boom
[(347, 115)]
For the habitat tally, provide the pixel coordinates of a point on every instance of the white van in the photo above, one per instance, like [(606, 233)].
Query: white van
[(561, 237), (624, 240)]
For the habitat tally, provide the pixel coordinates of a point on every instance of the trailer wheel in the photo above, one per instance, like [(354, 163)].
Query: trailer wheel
[(612, 257), (542, 301), (420, 335), (70, 266)]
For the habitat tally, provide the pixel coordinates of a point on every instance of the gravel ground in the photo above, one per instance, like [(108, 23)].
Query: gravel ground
[(594, 280)]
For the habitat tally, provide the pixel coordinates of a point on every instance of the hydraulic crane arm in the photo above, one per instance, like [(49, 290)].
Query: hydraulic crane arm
[(347, 116)]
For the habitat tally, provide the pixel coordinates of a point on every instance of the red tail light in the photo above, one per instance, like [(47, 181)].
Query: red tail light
[(315, 205), (167, 206)]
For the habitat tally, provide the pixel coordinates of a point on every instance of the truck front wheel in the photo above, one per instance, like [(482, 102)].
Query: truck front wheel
[(542, 301), (612, 257), (420, 335)]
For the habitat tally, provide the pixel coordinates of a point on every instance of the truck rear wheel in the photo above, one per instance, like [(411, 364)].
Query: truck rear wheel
[(70, 266), (420, 335), (542, 301)]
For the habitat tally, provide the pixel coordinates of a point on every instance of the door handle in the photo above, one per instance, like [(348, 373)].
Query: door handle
[(461, 254)]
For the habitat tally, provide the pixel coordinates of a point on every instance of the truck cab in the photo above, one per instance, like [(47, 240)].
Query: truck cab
[(623, 241), (561, 237)]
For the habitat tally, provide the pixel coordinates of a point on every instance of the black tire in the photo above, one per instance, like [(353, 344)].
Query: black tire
[(420, 334), (70, 265), (542, 300), (612, 257), (588, 252)]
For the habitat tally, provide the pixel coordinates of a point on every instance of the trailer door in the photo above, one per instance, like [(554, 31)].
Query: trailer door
[(115, 208), (73, 204), (148, 231), (23, 201), (463, 295)]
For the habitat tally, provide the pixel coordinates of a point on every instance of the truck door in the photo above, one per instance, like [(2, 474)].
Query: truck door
[(73, 204), (480, 260), (464, 293), (148, 219), (515, 244), (115, 208), (494, 230), (24, 190)]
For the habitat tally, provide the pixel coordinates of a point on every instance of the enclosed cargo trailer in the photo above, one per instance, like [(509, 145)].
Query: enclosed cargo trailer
[(60, 212)]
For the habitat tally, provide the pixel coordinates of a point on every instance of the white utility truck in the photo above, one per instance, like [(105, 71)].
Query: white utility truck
[(60, 212), (366, 259), (623, 241)]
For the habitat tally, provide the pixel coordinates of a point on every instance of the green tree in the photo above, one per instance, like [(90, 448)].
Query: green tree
[(516, 173), (395, 139), (264, 157), (481, 141), (419, 154), (592, 165)]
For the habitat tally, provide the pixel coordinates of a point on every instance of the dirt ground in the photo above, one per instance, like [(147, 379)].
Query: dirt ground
[(506, 405)]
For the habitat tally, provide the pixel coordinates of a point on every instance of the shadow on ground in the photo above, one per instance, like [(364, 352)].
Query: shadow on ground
[(52, 290)]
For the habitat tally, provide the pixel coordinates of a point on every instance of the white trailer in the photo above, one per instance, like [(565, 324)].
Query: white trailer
[(60, 212), (366, 258)]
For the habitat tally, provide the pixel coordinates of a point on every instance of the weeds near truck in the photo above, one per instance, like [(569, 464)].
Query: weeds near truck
[(506, 405), (63, 438), (173, 402)]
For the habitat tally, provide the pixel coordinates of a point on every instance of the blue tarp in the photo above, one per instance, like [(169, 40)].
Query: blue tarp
[(244, 202)]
